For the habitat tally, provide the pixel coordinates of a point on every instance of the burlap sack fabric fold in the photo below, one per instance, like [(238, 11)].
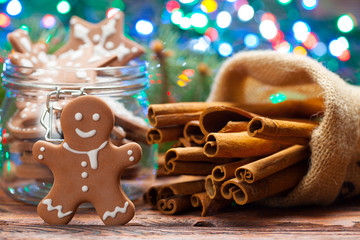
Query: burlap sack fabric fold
[(334, 168)]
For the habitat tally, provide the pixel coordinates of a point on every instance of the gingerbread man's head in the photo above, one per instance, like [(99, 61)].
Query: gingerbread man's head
[(86, 122)]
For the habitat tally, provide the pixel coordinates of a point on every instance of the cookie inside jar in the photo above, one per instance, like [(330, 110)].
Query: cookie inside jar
[(86, 64)]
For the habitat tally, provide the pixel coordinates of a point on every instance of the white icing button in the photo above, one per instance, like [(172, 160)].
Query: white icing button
[(129, 152), (78, 116), (40, 157), (131, 158), (42, 149), (96, 117), (109, 45), (83, 164), (96, 37), (134, 49), (85, 188), (84, 174)]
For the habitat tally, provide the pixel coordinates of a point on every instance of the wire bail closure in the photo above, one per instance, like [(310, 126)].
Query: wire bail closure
[(47, 116)]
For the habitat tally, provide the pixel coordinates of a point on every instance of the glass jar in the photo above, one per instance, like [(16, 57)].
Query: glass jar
[(34, 99)]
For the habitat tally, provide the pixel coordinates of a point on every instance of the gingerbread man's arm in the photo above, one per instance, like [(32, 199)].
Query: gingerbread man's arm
[(46, 153), (128, 155)]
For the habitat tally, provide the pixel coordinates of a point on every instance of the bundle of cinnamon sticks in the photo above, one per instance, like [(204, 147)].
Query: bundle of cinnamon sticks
[(236, 155)]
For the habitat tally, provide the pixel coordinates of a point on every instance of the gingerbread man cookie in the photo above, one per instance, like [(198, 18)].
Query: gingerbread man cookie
[(86, 165)]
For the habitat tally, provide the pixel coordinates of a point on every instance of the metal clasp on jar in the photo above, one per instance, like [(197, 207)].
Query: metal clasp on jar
[(47, 117)]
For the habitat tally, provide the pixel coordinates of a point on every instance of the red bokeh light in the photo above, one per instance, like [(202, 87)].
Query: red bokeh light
[(345, 56), (268, 16), (212, 34), (4, 20), (172, 6), (311, 41)]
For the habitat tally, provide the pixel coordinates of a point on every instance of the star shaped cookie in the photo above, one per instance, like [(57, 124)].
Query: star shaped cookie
[(107, 37), (26, 53)]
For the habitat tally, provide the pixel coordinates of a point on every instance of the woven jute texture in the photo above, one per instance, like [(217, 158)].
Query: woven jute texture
[(334, 168)]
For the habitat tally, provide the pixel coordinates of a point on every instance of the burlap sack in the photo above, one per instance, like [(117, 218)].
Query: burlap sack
[(253, 77)]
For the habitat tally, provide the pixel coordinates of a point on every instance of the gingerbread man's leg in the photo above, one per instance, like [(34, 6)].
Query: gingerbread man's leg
[(57, 208), (114, 209)]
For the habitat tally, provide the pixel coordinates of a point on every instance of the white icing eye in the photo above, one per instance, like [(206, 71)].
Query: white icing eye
[(96, 117), (78, 116)]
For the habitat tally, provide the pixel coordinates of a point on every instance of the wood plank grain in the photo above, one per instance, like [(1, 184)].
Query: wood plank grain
[(340, 221)]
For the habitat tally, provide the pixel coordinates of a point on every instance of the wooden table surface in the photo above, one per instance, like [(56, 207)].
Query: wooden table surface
[(339, 221)]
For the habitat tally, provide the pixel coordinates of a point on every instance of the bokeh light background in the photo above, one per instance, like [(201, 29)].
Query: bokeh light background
[(326, 30)]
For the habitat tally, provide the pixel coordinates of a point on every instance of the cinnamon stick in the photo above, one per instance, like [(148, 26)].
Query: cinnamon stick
[(191, 160), (190, 168), (213, 188), (209, 206), (289, 108), (243, 192), (166, 134), (239, 145), (192, 154), (160, 115), (192, 133), (174, 204), (181, 188), (276, 162), (213, 119), (151, 196), (293, 132), (226, 171), (182, 142), (233, 126)]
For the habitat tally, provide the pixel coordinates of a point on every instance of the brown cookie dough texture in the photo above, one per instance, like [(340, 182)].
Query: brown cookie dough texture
[(86, 166)]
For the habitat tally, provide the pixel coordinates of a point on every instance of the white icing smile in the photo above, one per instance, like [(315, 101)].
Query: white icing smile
[(82, 134)]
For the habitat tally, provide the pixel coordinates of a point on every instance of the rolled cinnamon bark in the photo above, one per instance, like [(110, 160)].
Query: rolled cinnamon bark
[(243, 192), (213, 188), (189, 168), (276, 162), (209, 206), (213, 119), (239, 145), (191, 160), (289, 108), (235, 127), (192, 154), (293, 132), (151, 196), (174, 204), (171, 113), (181, 188), (226, 171), (182, 142), (168, 134), (192, 133), (136, 137)]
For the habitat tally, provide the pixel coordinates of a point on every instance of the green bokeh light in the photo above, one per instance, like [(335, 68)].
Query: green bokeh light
[(24, 27), (284, 2), (277, 98), (118, 4), (63, 7)]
